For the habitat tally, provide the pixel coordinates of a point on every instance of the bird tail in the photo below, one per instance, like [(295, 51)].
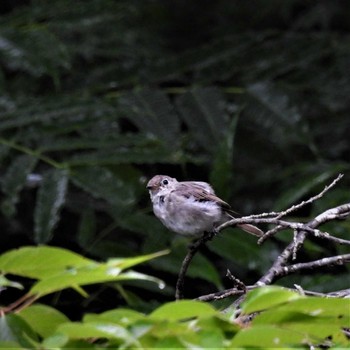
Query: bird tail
[(253, 230)]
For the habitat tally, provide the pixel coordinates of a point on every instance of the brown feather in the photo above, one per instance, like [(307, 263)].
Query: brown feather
[(200, 194)]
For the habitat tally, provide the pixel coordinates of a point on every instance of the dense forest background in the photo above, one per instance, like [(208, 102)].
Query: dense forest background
[(98, 96)]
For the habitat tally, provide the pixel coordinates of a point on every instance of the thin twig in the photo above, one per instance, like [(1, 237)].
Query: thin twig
[(329, 261), (236, 282), (194, 247), (310, 200)]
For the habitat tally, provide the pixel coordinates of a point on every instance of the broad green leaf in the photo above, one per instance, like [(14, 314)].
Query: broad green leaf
[(267, 336), (9, 345), (76, 277), (63, 269), (213, 339), (43, 319), (14, 329), (203, 111), (14, 180), (311, 325), (338, 308), (51, 197), (181, 310), (120, 316), (57, 340), (267, 297), (124, 263), (41, 262), (108, 330), (171, 342)]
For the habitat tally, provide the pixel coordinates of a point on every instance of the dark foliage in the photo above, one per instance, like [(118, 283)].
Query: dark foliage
[(98, 96)]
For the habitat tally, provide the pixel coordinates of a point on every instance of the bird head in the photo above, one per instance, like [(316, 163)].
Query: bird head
[(159, 183)]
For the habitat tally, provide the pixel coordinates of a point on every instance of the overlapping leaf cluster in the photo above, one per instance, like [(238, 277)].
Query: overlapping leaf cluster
[(280, 318), (99, 96)]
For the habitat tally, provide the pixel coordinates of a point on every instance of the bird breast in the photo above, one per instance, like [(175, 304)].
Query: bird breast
[(186, 216)]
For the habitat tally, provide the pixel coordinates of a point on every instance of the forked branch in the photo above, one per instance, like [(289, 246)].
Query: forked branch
[(282, 265)]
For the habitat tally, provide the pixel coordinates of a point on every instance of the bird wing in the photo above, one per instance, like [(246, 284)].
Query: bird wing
[(204, 185), (199, 192)]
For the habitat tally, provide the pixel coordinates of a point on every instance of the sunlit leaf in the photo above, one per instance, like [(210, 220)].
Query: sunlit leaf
[(267, 336), (14, 329), (267, 297), (99, 273), (29, 261), (43, 319), (94, 330), (182, 310)]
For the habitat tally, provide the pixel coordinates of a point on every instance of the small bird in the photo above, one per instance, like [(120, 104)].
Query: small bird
[(190, 208)]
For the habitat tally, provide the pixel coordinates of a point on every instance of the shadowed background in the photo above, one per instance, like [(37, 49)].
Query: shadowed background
[(98, 96)]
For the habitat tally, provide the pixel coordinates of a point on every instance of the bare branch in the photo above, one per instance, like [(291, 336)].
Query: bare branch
[(280, 266), (333, 260), (310, 200), (193, 249)]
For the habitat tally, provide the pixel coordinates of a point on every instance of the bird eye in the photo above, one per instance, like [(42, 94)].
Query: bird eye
[(165, 182)]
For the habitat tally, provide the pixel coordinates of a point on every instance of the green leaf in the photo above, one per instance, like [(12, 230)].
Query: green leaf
[(98, 273), (63, 269), (338, 308), (203, 110), (312, 326), (263, 337), (108, 330), (181, 310), (43, 319), (9, 345), (56, 341), (14, 180), (51, 198), (267, 297), (124, 263), (14, 329), (29, 261), (120, 316)]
